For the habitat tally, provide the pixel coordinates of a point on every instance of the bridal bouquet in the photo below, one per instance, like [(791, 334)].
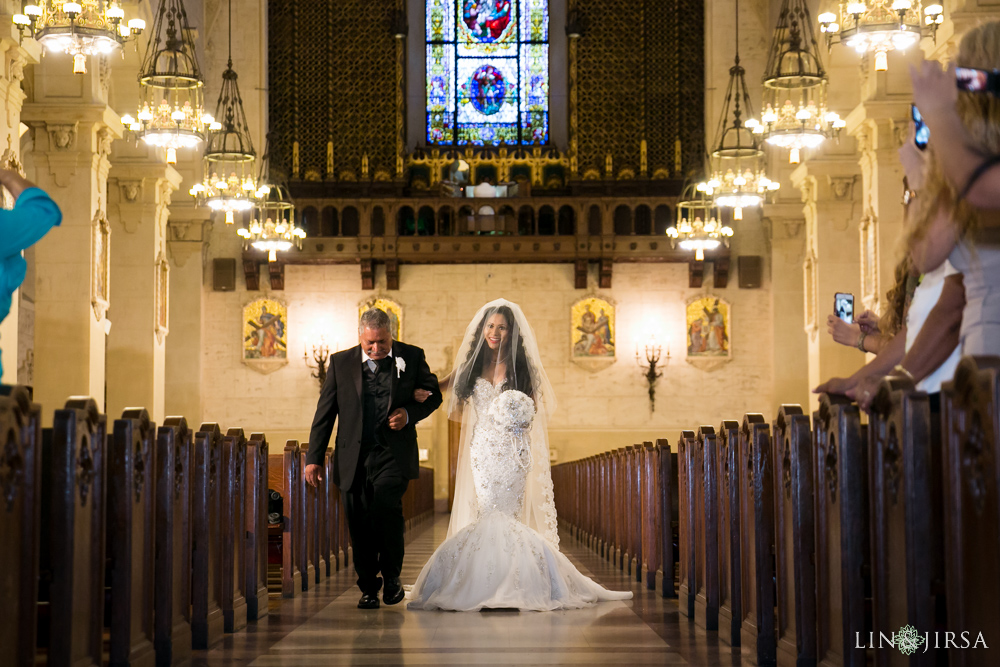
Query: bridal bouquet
[(513, 410)]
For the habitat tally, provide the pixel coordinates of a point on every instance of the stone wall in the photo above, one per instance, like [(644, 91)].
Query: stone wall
[(597, 410)]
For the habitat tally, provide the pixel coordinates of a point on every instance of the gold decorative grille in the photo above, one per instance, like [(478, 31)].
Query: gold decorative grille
[(332, 71)]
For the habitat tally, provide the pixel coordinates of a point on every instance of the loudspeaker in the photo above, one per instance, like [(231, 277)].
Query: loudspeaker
[(223, 274), (750, 267)]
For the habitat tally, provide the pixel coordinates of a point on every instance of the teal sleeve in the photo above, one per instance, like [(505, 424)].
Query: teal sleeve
[(33, 215)]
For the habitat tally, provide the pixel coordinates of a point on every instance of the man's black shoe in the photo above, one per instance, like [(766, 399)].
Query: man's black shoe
[(393, 592), (368, 602)]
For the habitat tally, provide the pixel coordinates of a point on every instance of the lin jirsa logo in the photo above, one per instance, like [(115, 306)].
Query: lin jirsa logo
[(909, 640)]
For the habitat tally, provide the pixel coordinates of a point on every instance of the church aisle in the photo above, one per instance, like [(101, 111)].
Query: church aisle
[(323, 627)]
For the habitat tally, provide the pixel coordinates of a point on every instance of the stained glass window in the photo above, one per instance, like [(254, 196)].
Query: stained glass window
[(487, 72)]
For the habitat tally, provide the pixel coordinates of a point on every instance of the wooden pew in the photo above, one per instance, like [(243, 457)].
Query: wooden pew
[(604, 499), (618, 491), (131, 534), (842, 543), (20, 481), (255, 586), (233, 506), (971, 418), (727, 449), (687, 523), (172, 634), (668, 489), (651, 512), (795, 573), (304, 519), (907, 529), (324, 532), (207, 619), (634, 508), (757, 640), (72, 549), (335, 560), (706, 494), (283, 477)]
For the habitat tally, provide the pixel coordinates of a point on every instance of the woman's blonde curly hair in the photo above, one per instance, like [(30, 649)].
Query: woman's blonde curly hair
[(980, 114)]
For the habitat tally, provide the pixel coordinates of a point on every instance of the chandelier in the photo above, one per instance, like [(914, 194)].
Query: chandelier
[(171, 112), (272, 227), (228, 164), (738, 180), (881, 26), (698, 228), (81, 29), (795, 114)]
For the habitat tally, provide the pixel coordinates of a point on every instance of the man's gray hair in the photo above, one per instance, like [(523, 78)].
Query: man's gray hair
[(375, 319)]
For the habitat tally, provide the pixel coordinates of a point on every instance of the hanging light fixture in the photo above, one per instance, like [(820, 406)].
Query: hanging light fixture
[(795, 114), (738, 180), (272, 227), (171, 111), (698, 227), (228, 183), (881, 26), (81, 29)]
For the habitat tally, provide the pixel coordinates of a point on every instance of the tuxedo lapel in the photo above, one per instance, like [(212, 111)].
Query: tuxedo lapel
[(393, 380), (354, 359)]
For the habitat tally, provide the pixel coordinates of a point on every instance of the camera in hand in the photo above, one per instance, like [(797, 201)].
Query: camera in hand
[(973, 80)]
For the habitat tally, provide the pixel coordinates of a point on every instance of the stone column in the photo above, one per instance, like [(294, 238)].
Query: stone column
[(831, 263), (13, 60), (786, 228), (138, 199), (186, 242), (72, 142)]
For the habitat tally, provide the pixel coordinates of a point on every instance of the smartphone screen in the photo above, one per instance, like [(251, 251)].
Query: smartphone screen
[(923, 133), (972, 80), (843, 306)]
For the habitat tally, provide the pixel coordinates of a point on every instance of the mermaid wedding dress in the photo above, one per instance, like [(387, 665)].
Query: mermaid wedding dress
[(497, 561)]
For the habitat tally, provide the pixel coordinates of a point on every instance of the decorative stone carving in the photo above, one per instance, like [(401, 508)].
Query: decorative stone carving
[(868, 229), (162, 310), (105, 137), (842, 187), (809, 278), (130, 190), (62, 137), (101, 264), (16, 69)]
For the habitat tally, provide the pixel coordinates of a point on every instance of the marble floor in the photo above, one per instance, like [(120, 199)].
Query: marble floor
[(324, 627)]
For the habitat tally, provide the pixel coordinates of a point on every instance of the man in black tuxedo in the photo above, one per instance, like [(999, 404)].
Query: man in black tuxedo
[(371, 387)]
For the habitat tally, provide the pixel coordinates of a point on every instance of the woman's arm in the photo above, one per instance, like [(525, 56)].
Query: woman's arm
[(930, 252), (939, 335)]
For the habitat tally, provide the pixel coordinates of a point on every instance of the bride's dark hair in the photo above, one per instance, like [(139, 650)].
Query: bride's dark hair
[(518, 374)]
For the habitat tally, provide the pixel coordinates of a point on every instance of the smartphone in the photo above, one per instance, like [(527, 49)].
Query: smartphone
[(923, 133), (977, 80), (843, 306)]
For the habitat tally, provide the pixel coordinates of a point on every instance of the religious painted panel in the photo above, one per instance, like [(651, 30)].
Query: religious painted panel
[(593, 329), (708, 328), (265, 329)]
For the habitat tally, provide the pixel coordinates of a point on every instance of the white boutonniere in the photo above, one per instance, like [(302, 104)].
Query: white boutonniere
[(400, 366)]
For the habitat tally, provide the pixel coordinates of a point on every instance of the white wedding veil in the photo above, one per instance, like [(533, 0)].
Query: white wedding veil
[(525, 374)]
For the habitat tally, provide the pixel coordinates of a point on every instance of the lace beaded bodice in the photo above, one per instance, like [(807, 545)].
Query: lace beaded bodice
[(498, 460)]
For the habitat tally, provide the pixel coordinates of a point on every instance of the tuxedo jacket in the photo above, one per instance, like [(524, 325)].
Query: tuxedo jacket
[(341, 397)]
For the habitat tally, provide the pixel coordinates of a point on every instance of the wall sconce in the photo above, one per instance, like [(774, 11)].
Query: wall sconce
[(320, 358), (652, 368)]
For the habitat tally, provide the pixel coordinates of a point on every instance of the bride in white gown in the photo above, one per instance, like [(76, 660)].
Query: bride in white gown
[(502, 549)]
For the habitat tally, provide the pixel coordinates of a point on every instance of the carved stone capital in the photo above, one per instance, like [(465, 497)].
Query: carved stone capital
[(62, 137), (842, 187)]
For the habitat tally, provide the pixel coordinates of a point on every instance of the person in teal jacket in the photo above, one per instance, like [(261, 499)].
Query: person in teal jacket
[(33, 215)]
